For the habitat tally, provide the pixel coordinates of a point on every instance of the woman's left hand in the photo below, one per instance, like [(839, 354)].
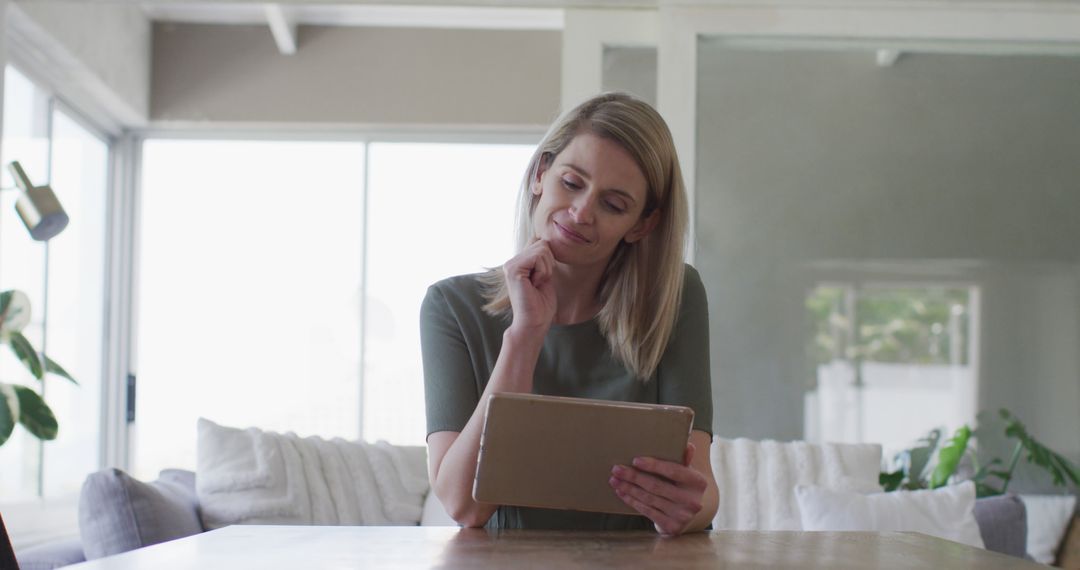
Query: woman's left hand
[(668, 493)]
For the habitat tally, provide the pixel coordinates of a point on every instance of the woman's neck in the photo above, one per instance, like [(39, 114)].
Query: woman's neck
[(576, 293)]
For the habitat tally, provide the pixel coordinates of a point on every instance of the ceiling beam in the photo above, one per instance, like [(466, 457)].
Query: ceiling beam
[(283, 27)]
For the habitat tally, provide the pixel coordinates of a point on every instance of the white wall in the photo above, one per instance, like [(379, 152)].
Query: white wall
[(3, 63), (822, 155), (95, 55), (355, 76)]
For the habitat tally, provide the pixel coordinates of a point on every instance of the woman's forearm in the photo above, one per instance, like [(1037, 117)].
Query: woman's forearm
[(709, 503), (453, 476)]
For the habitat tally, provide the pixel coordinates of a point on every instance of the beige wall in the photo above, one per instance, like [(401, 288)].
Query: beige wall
[(96, 55), (360, 76)]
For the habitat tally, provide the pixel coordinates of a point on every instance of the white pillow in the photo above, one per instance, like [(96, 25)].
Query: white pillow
[(260, 477), (435, 513), (946, 513), (1047, 518)]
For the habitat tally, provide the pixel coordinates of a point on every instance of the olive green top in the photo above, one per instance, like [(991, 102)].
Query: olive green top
[(461, 344)]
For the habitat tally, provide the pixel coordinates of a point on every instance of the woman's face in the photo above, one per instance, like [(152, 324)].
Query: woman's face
[(592, 195)]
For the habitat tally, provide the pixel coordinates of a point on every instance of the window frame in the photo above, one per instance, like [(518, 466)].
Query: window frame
[(57, 103), (866, 276), (449, 135)]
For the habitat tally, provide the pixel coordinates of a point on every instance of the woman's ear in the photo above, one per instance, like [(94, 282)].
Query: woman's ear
[(541, 167), (643, 227)]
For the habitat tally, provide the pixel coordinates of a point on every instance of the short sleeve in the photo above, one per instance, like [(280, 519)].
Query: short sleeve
[(684, 375), (450, 386)]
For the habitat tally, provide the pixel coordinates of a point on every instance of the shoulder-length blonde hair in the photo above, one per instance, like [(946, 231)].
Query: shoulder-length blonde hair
[(641, 287)]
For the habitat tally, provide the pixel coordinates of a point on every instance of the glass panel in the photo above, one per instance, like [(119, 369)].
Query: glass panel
[(455, 215), (249, 280), (80, 166), (880, 352), (22, 260)]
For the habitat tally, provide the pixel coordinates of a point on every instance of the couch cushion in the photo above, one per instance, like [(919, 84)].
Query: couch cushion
[(757, 479), (1003, 524), (945, 513), (1048, 517), (118, 513), (51, 555), (252, 476)]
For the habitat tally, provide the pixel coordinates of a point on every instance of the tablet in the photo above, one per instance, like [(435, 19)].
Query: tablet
[(557, 453)]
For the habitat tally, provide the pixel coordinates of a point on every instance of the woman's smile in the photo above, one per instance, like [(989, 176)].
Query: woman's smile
[(571, 234)]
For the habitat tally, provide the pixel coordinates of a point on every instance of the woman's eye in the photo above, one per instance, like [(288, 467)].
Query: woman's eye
[(614, 207), (570, 184)]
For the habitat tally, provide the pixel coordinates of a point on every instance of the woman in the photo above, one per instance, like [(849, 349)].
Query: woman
[(597, 303)]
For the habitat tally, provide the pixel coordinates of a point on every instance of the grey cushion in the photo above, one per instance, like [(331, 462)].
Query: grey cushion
[(1003, 524), (118, 513), (51, 555)]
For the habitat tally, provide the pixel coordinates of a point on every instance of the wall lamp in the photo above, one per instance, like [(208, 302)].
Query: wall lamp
[(38, 207)]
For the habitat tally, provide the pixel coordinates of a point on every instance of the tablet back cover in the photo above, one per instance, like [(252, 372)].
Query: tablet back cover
[(554, 452)]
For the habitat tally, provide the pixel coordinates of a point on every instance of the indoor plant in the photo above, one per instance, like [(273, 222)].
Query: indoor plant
[(990, 478), (19, 403)]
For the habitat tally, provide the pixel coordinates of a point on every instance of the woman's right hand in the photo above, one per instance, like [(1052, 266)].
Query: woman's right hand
[(530, 280)]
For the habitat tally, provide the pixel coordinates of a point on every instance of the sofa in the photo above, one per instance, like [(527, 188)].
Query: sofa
[(118, 513)]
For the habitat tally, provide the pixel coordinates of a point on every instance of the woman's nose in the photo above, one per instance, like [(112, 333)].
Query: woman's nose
[(582, 208)]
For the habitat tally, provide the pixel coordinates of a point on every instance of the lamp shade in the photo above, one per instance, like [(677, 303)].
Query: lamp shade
[(38, 207)]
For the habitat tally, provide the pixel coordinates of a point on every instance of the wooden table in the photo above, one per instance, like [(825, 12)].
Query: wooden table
[(303, 547)]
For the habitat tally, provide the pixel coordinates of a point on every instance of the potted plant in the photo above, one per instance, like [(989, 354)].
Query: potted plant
[(18, 403), (991, 478)]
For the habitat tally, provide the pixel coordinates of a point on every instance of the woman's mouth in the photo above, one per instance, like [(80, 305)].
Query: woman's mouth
[(571, 234)]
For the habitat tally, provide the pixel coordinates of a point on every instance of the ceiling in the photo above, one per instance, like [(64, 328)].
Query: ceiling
[(309, 13)]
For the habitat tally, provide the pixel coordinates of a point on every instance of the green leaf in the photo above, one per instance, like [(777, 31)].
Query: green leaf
[(35, 415), (14, 311), (52, 366), (949, 457), (984, 490), (891, 481), (1067, 467), (919, 456), (26, 353), (9, 411)]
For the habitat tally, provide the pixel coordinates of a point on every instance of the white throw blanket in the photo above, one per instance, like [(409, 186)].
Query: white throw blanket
[(757, 479), (256, 477)]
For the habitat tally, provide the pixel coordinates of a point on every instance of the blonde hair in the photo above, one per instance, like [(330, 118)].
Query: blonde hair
[(641, 287)]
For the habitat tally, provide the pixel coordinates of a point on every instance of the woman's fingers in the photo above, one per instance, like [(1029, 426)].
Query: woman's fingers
[(682, 475), (665, 524), (689, 495), (668, 493), (529, 278)]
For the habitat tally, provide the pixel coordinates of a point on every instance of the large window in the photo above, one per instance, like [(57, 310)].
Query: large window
[(454, 215), (57, 149), (890, 362), (264, 301)]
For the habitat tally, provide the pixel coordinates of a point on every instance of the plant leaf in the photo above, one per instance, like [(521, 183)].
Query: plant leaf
[(949, 457), (9, 411), (14, 311), (35, 415), (919, 456), (891, 481), (26, 353), (52, 366), (1067, 467), (984, 490)]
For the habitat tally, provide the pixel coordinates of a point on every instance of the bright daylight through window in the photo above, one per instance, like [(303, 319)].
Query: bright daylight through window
[(878, 352), (251, 273), (55, 149)]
